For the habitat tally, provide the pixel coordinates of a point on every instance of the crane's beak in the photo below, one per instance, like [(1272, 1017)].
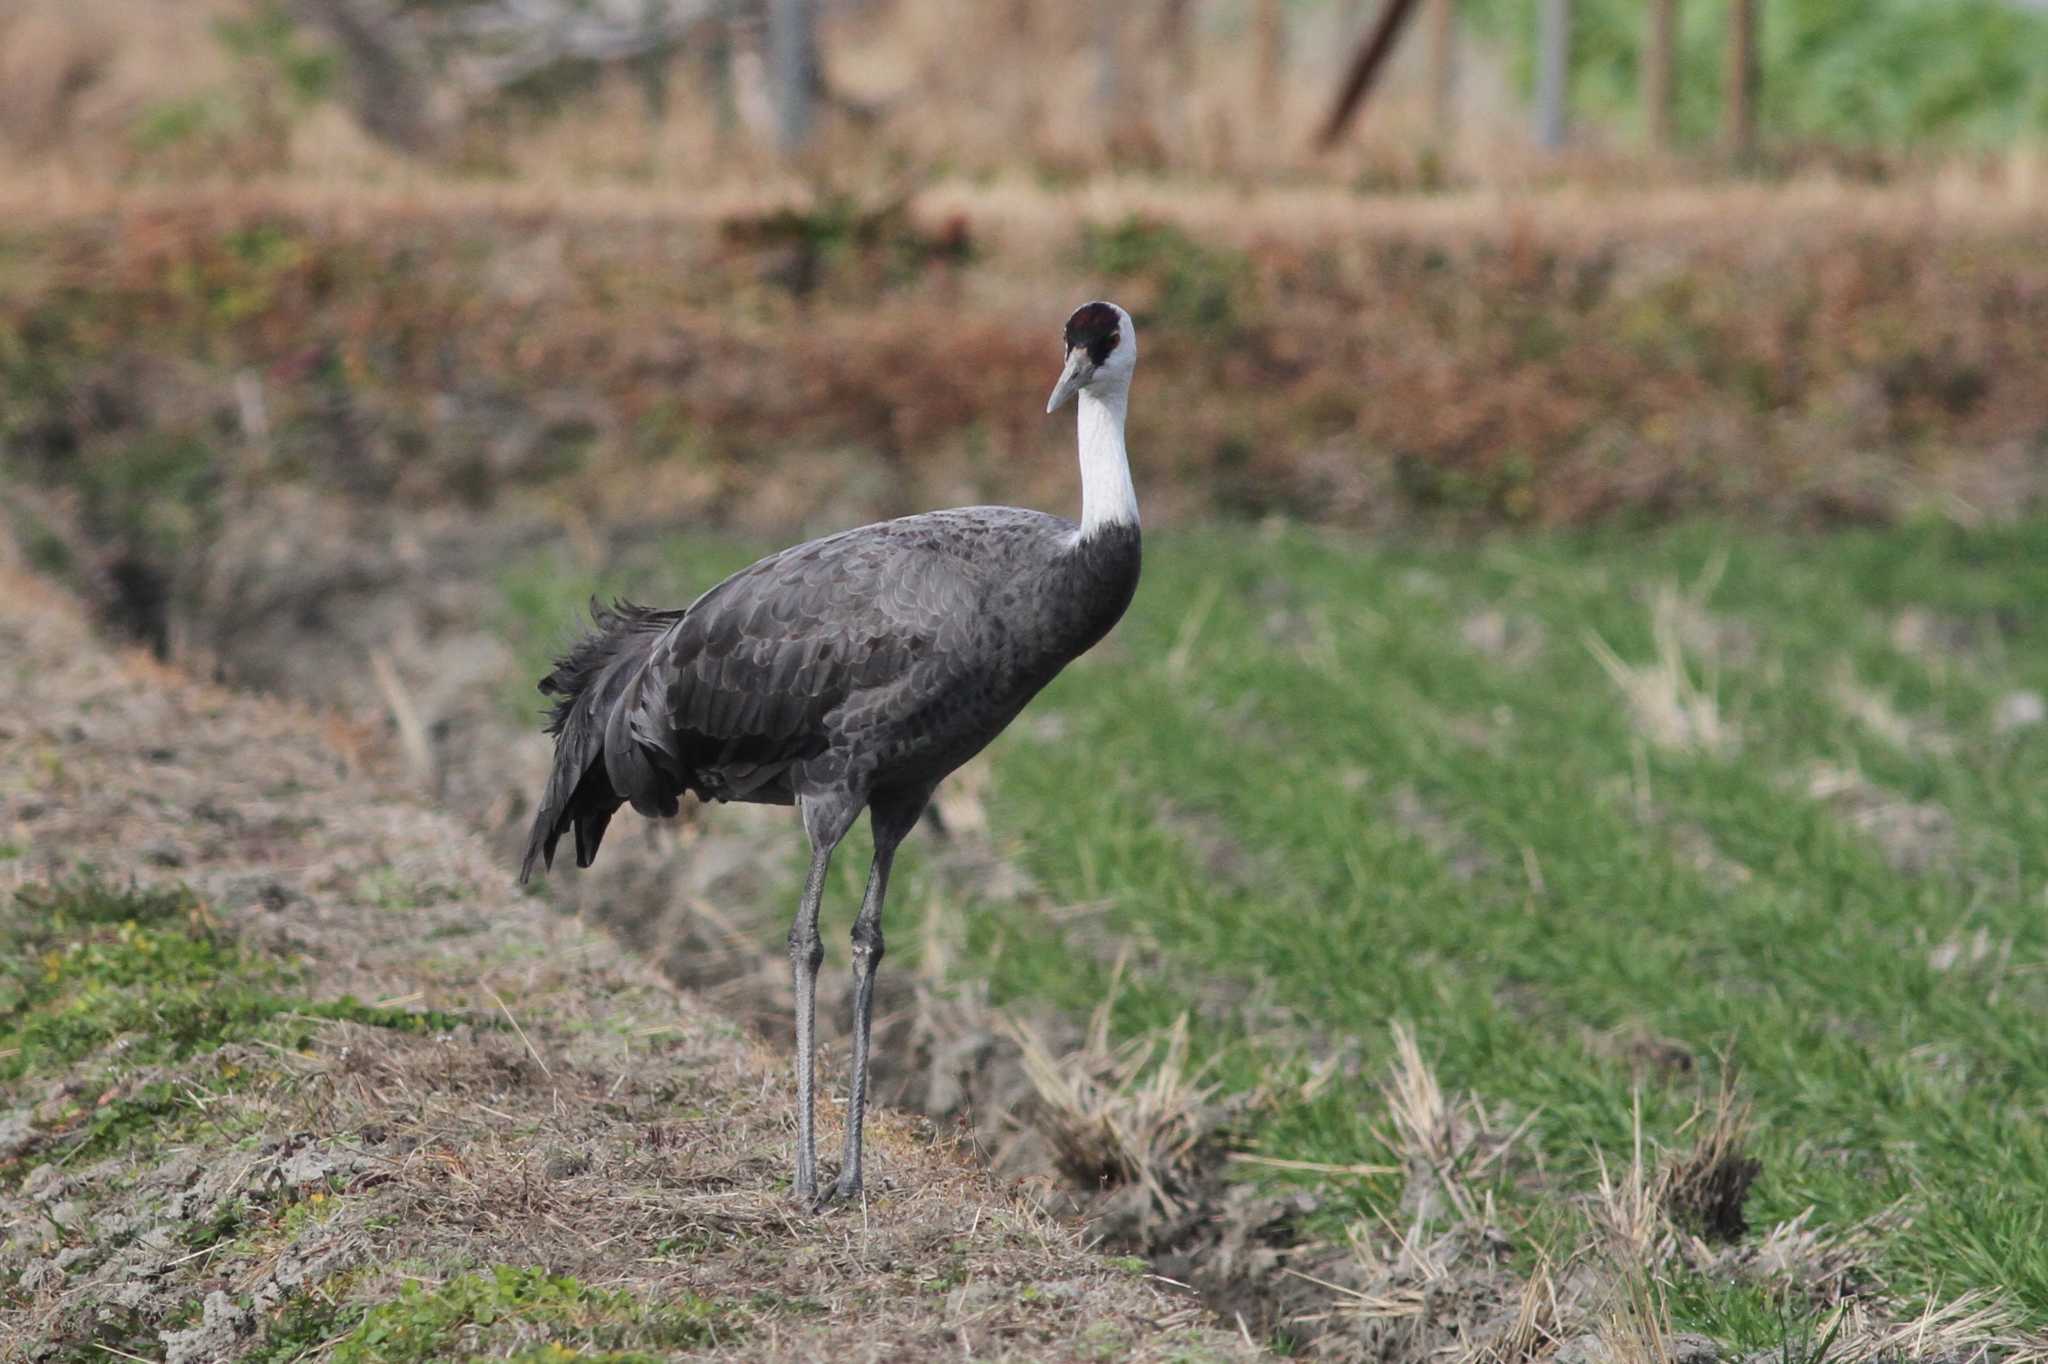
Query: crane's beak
[(1077, 373)]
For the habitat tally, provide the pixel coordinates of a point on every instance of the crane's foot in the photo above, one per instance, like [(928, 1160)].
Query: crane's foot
[(840, 1191)]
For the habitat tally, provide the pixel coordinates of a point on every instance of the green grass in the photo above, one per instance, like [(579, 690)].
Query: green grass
[(1292, 692), (123, 977), (86, 964), (528, 1315)]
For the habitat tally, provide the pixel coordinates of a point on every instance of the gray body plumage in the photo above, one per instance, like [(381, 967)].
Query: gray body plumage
[(874, 661), (850, 673)]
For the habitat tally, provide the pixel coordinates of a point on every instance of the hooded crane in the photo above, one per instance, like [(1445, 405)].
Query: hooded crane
[(852, 672)]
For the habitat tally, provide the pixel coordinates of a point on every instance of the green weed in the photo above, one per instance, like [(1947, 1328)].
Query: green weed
[(86, 964), (125, 1122), (513, 1306), (123, 977), (303, 1325), (156, 494), (167, 124), (267, 37), (224, 1223), (838, 227)]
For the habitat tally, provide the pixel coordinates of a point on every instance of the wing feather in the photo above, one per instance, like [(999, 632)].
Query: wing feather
[(748, 678)]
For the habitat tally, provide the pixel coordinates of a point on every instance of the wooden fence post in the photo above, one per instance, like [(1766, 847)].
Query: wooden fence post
[(1271, 36), (1109, 60), (1660, 72), (1176, 102), (1553, 72), (1443, 70), (1739, 83)]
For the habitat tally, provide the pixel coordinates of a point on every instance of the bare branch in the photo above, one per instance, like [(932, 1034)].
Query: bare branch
[(1365, 66)]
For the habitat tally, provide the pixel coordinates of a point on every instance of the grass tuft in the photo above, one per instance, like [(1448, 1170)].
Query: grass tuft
[(1134, 1113), (1667, 705), (534, 1316), (1703, 1190)]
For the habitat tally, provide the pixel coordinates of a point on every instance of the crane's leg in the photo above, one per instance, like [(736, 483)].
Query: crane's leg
[(891, 819), (826, 822)]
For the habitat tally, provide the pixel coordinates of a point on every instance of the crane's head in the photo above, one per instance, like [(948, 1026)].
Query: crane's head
[(1102, 350)]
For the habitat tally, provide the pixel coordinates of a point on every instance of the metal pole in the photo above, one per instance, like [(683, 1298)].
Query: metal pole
[(1553, 72)]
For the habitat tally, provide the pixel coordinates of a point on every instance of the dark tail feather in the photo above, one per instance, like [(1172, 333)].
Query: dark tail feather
[(587, 683)]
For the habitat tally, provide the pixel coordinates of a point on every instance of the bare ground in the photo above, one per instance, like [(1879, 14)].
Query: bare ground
[(577, 1114)]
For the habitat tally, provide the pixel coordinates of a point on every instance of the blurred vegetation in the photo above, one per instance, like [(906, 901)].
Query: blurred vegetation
[(276, 74), (168, 367), (1485, 372), (1877, 73), (1188, 285), (249, 87)]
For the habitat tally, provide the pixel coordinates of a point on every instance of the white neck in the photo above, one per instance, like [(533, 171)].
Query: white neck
[(1107, 497)]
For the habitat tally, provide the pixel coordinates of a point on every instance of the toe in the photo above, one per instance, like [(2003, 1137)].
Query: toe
[(840, 1191)]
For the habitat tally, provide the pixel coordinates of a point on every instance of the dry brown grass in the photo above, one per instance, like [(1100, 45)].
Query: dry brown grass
[(1439, 1285), (1661, 1212), (1876, 712), (1136, 1113), (1683, 1201), (1914, 836), (1703, 1188), (1627, 1208), (1673, 699), (1976, 1326), (1433, 1280)]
